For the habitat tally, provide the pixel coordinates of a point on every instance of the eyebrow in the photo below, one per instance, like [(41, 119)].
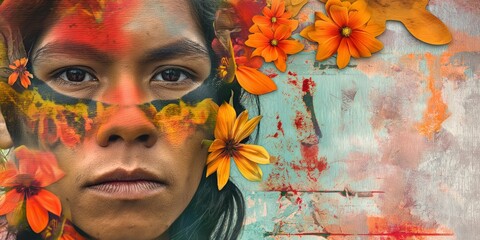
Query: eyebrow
[(179, 48), (79, 50)]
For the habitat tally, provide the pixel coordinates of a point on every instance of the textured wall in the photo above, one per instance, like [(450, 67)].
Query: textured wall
[(383, 149)]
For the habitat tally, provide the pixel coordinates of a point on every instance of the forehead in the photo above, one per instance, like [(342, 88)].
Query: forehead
[(119, 26)]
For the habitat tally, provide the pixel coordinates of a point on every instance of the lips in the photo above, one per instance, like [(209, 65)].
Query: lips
[(124, 184)]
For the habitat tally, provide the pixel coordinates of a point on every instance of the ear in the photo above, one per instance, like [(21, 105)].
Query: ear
[(5, 138)]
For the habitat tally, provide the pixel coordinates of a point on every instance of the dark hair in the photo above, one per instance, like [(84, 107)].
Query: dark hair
[(211, 214)]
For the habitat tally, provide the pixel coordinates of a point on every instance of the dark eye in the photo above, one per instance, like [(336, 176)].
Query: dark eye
[(172, 75), (75, 75)]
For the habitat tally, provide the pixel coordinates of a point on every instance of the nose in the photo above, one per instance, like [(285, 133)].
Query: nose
[(130, 125)]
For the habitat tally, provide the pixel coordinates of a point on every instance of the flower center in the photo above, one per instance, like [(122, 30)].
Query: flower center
[(20, 69), (274, 19), (346, 31), (29, 188), (230, 147), (274, 42)]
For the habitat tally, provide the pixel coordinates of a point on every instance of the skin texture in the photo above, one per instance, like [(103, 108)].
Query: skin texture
[(122, 56)]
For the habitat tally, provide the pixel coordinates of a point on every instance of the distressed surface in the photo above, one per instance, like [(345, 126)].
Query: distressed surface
[(384, 149)]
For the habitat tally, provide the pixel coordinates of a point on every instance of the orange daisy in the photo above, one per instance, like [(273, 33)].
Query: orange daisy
[(229, 132), (346, 32), (19, 68), (275, 16), (413, 14), (25, 185), (274, 45)]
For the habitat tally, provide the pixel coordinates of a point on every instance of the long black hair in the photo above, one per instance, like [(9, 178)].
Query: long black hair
[(211, 214)]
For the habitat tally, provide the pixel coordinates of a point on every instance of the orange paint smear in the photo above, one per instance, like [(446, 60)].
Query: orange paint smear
[(403, 230), (436, 112)]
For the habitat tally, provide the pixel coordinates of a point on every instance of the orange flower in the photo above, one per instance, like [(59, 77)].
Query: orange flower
[(229, 132), (19, 68), (274, 45), (293, 6), (275, 16), (36, 170), (244, 69), (422, 24), (347, 32)]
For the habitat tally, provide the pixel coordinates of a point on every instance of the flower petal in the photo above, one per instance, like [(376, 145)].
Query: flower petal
[(223, 173), (248, 169), (23, 61), (254, 81), (375, 28), (343, 54), (25, 80), (215, 155), (41, 165), (359, 5), (426, 27), (10, 201), (306, 31), (225, 118), (254, 153), (357, 19), (261, 20), (13, 78), (247, 129), (8, 176), (213, 165), (257, 40), (290, 46), (37, 216), (217, 144), (352, 48), (293, 24), (270, 54), (328, 48), (282, 32), (368, 40), (281, 63), (239, 123), (49, 201), (339, 15)]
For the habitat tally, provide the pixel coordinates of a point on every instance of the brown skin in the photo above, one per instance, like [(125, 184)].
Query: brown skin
[(127, 140)]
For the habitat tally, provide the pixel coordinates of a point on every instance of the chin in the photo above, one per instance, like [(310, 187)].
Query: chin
[(129, 231)]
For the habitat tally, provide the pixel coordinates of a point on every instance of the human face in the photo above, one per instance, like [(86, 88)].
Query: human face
[(127, 178)]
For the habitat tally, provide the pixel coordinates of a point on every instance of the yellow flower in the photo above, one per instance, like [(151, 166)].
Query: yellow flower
[(229, 132)]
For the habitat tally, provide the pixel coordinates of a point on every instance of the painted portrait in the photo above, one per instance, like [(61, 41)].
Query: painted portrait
[(238, 119)]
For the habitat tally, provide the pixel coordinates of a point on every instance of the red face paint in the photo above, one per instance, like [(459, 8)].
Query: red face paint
[(100, 25)]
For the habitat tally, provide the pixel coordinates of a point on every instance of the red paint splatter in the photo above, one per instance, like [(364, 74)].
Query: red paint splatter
[(272, 75), (292, 73), (310, 163), (308, 85), (280, 128), (293, 82), (275, 135), (299, 120)]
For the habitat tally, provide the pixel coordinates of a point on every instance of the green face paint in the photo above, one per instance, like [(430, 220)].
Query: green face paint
[(51, 118)]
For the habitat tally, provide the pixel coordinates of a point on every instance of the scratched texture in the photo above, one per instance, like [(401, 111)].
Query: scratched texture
[(384, 149)]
